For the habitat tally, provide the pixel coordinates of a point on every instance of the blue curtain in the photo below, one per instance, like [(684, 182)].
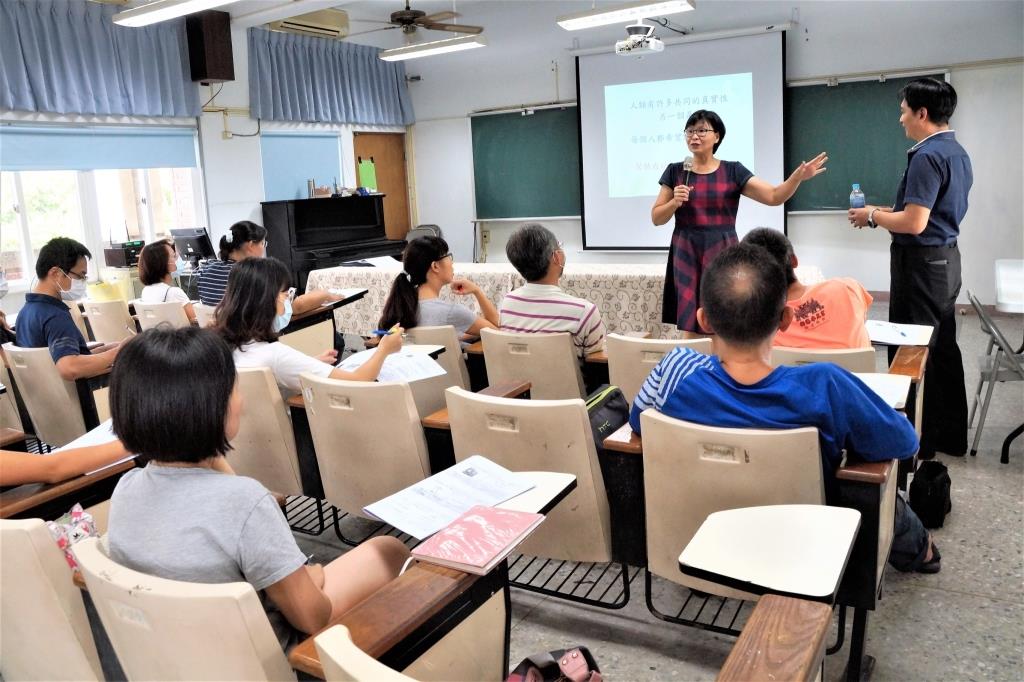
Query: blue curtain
[(68, 57), (29, 148), (302, 78)]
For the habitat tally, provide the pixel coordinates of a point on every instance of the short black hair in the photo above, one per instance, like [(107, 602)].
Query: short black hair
[(937, 96), (247, 311), (713, 120), (529, 249), (743, 293), (60, 252), (778, 245), (153, 265), (169, 394)]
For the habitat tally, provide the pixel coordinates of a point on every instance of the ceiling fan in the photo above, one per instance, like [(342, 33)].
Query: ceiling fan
[(410, 20)]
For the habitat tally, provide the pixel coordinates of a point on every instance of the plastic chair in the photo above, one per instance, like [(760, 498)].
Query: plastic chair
[(110, 321), (850, 359), (428, 394), (171, 630), (52, 402), (76, 315), (343, 661), (154, 314), (368, 440), (205, 314), (547, 361), (264, 448), (631, 359), (44, 632)]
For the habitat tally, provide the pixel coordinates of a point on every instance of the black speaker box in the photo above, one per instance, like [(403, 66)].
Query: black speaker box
[(209, 46)]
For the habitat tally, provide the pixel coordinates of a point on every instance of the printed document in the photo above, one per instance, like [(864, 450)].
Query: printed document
[(892, 388), (893, 334), (406, 365), (104, 433)]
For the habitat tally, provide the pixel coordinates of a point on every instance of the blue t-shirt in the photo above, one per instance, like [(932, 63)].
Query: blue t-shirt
[(848, 415), (46, 321), (938, 177)]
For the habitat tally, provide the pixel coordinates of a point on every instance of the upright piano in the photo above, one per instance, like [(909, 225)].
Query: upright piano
[(310, 234)]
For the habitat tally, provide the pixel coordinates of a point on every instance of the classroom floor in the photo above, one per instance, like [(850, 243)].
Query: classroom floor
[(965, 623)]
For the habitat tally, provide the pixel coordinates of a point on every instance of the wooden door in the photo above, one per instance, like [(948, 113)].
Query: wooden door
[(388, 153)]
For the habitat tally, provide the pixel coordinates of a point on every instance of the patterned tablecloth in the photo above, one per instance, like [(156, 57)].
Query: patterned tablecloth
[(628, 295)]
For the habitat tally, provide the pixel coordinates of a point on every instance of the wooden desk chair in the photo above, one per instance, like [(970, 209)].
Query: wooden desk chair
[(154, 314), (166, 629), (850, 359), (110, 321), (206, 314), (368, 441), (52, 403), (553, 435), (631, 359), (429, 393), (732, 468), (547, 361), (76, 315), (44, 632), (343, 661)]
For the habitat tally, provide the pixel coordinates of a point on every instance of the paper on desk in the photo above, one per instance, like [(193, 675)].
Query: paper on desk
[(426, 507), (893, 334), (404, 366), (102, 434), (892, 388), (342, 294)]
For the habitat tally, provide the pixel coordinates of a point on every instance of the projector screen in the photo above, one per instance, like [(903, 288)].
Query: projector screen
[(632, 113)]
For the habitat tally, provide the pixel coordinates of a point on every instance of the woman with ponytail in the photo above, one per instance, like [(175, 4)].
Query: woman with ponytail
[(413, 300), (246, 239)]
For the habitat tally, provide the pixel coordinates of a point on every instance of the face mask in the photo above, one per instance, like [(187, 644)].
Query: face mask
[(76, 292), (281, 321), (180, 264)]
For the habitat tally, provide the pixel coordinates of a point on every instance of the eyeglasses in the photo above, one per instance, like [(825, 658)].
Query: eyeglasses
[(71, 274), (699, 132), (447, 255)]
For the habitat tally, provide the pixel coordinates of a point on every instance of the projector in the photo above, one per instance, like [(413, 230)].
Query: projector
[(640, 40)]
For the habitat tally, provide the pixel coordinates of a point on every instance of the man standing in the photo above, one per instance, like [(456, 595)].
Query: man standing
[(924, 259)]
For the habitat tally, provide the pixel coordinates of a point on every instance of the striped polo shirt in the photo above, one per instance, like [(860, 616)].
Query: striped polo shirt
[(213, 280), (545, 308)]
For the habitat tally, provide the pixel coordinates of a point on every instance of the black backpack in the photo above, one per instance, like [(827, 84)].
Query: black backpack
[(929, 493)]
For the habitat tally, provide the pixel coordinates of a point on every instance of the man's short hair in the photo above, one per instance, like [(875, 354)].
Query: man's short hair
[(937, 96), (61, 252), (169, 393), (778, 245), (743, 293), (530, 249)]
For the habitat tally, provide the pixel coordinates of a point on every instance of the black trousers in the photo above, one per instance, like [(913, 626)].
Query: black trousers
[(925, 281)]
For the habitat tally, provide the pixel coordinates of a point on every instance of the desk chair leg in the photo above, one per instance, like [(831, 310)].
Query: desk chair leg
[(840, 634), (984, 406), (860, 666), (1004, 458)]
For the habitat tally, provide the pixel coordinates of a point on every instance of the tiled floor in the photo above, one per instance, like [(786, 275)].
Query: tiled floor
[(965, 623)]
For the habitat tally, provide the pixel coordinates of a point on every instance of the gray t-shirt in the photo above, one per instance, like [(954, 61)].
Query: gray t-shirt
[(436, 313), (198, 525)]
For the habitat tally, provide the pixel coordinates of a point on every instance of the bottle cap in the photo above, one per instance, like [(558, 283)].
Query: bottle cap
[(856, 186)]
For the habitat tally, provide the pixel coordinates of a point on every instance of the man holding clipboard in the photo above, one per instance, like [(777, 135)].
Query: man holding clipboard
[(924, 259)]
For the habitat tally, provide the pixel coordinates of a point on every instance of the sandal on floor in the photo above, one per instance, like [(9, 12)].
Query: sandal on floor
[(933, 566)]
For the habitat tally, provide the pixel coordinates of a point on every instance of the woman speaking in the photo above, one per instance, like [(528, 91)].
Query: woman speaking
[(703, 193)]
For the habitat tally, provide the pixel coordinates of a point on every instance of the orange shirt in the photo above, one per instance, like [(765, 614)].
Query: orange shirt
[(830, 314)]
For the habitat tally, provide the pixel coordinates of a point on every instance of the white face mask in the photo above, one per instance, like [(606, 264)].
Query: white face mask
[(76, 292), (281, 321)]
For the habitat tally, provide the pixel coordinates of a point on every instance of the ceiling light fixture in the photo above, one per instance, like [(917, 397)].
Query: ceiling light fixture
[(434, 47), (624, 13), (162, 10)]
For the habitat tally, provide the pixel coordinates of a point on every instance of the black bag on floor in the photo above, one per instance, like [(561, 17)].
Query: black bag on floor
[(929, 493)]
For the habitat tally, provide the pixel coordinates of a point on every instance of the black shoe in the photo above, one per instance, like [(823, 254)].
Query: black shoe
[(933, 566)]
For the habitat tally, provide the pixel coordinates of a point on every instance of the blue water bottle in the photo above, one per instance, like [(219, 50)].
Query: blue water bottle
[(856, 197)]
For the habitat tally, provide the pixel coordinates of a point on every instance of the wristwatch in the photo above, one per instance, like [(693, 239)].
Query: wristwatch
[(871, 218)]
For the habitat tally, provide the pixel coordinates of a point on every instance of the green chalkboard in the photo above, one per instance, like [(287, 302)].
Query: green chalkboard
[(527, 166), (858, 125)]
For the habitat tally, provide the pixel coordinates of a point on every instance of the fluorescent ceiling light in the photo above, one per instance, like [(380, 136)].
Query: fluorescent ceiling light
[(432, 48), (621, 14), (162, 10)]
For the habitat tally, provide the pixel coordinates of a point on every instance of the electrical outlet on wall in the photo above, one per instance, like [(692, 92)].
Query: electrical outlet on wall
[(485, 236)]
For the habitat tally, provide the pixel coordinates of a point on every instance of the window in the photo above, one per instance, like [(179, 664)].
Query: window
[(11, 257), (172, 200)]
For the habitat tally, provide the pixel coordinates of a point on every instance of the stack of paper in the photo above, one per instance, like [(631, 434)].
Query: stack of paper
[(102, 434), (404, 365)]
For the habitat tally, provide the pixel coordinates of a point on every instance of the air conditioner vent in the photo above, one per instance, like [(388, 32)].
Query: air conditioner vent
[(325, 23)]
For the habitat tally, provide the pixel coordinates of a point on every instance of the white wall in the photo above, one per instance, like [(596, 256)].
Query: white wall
[(889, 36)]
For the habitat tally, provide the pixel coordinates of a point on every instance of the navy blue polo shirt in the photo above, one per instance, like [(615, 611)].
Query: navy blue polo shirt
[(938, 177), (46, 321)]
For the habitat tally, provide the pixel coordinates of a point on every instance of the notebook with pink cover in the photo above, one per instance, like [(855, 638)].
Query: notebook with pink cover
[(479, 539)]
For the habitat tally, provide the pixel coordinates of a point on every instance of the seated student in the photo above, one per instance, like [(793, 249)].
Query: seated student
[(743, 300), (45, 320), (178, 518), (19, 468), (541, 305), (413, 300), (257, 307), (248, 240), (830, 314), (156, 263)]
